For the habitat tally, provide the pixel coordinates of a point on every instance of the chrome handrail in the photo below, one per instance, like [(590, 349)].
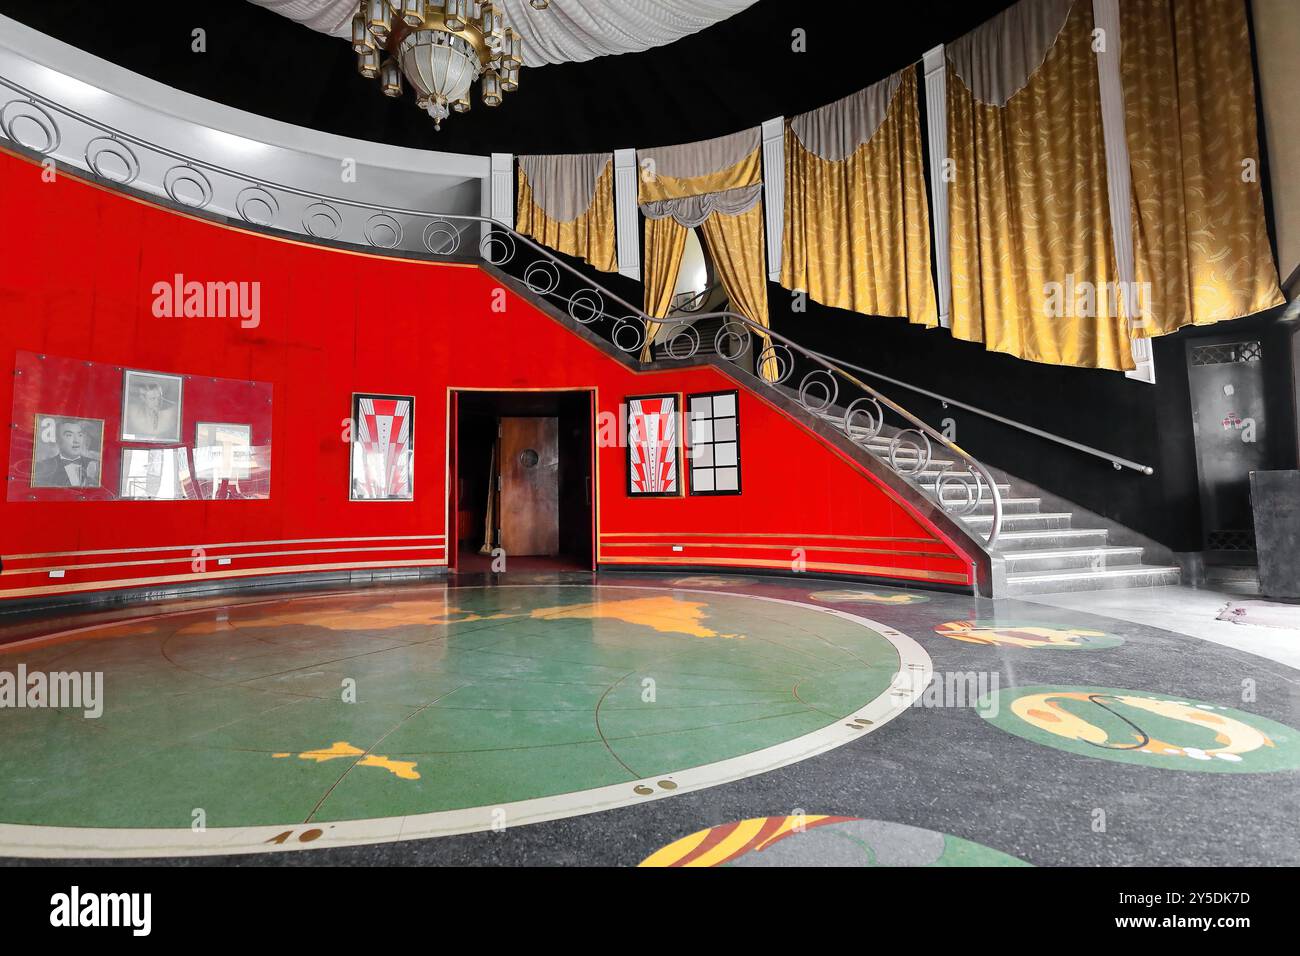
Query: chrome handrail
[(1117, 460), (818, 391)]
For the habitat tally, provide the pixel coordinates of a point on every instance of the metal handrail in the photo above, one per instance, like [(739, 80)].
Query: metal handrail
[(499, 244), (1117, 460)]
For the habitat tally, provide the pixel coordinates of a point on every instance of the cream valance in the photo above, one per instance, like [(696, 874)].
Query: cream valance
[(693, 169), (564, 186), (835, 132), (691, 211), (997, 58)]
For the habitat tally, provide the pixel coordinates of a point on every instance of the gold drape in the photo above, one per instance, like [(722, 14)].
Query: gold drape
[(665, 244), (589, 237), (857, 232), (1200, 238), (653, 187), (736, 245), (1030, 214)]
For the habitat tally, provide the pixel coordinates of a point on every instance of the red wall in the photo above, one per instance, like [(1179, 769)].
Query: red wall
[(77, 267)]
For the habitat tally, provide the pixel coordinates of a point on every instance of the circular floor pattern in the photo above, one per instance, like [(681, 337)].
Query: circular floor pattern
[(1139, 727), (1028, 635), (807, 840), (348, 719)]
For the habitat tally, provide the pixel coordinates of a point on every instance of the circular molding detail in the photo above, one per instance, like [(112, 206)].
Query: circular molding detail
[(441, 238), (186, 174), (16, 110), (322, 220), (383, 231), (102, 146), (257, 205)]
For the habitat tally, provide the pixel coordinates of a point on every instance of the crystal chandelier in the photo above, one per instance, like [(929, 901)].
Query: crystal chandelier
[(442, 47)]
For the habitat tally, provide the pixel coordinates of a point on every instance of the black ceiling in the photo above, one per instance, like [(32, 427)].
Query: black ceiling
[(729, 77)]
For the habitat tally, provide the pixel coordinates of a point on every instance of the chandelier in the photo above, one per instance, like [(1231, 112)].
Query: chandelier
[(442, 47)]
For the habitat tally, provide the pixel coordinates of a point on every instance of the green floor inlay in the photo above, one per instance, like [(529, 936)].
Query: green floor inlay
[(358, 707)]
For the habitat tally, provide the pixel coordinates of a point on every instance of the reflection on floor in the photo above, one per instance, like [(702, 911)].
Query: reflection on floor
[(1194, 612), (717, 719)]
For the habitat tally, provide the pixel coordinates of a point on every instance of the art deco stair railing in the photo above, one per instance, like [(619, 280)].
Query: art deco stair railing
[(824, 388)]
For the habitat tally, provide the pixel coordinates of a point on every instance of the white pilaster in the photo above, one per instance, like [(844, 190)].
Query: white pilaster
[(774, 192), (936, 108), (503, 188), (1105, 14), (627, 213)]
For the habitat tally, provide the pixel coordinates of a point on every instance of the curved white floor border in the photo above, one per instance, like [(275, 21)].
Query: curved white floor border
[(915, 670)]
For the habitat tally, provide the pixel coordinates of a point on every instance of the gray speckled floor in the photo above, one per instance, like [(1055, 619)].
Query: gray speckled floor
[(947, 769)]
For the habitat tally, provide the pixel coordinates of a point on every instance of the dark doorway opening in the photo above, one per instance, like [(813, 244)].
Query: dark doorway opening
[(523, 480)]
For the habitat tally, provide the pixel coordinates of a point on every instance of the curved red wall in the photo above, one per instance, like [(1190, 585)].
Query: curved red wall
[(77, 267)]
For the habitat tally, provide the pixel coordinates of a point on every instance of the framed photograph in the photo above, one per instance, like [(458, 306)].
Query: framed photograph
[(713, 451), (383, 448), (151, 407), (67, 452), (156, 474), (222, 451), (653, 447)]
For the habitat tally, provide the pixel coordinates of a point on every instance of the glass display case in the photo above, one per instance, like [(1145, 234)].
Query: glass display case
[(88, 431)]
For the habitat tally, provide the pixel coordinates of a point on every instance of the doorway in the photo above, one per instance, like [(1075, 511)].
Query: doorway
[(522, 480), (1226, 379)]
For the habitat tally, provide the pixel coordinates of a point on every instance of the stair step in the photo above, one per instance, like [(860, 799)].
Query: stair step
[(1010, 506), (1052, 539), (1122, 576), (1023, 522), (1061, 559)]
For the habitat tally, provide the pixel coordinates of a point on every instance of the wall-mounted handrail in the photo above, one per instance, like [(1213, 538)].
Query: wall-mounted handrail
[(1117, 460)]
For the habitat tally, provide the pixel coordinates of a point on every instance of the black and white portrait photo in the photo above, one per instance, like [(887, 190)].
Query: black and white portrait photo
[(151, 407), (68, 452)]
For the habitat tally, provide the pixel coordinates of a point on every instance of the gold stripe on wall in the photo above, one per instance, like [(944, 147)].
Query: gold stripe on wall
[(231, 557), (770, 547), (209, 547), (896, 572), (755, 534), (209, 576)]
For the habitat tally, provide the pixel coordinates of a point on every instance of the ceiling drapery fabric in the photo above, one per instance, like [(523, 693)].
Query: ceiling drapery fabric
[(1200, 237), (717, 185), (857, 225), (1033, 260), (570, 31), (566, 202)]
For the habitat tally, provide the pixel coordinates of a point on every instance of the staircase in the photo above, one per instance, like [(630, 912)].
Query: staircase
[(1043, 551)]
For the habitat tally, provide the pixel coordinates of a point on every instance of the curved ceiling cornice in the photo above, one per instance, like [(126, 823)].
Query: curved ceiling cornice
[(570, 31)]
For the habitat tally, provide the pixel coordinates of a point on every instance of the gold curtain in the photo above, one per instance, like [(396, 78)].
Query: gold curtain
[(589, 237), (1030, 214), (1199, 233), (857, 232), (665, 243), (653, 187), (736, 246)]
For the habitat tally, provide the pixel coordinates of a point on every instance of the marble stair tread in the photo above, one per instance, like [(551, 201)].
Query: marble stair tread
[(1081, 579)]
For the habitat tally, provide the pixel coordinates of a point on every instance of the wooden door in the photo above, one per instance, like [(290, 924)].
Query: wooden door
[(530, 486)]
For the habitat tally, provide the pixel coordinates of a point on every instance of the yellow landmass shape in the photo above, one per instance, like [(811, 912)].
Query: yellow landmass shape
[(404, 769), (665, 614)]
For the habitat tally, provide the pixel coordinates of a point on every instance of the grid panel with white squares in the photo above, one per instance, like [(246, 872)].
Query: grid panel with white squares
[(714, 443)]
